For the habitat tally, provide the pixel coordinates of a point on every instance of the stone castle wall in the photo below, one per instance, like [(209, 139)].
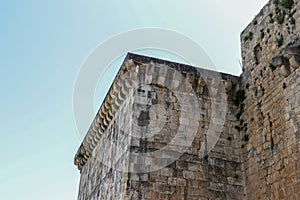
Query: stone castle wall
[(190, 176), (270, 115), (173, 114), (172, 131)]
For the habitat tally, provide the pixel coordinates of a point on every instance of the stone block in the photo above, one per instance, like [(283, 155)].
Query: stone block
[(166, 172), (181, 182), (279, 60), (285, 70), (172, 181), (295, 61)]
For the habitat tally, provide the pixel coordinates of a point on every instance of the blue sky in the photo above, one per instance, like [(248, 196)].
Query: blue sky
[(44, 43)]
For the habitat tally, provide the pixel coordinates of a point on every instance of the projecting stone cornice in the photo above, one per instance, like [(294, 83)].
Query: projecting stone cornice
[(134, 68)]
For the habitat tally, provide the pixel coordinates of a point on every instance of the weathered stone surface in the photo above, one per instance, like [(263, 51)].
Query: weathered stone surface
[(268, 159), (257, 153), (150, 105), (294, 50), (295, 61), (279, 61), (285, 70)]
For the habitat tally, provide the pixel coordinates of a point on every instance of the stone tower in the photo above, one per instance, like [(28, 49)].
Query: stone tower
[(270, 116), (171, 131)]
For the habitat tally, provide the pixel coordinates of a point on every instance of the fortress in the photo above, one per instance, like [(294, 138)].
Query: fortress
[(172, 131)]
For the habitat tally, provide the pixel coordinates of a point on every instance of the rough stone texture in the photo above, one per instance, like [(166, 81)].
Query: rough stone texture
[(255, 118), (162, 105), (271, 112)]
